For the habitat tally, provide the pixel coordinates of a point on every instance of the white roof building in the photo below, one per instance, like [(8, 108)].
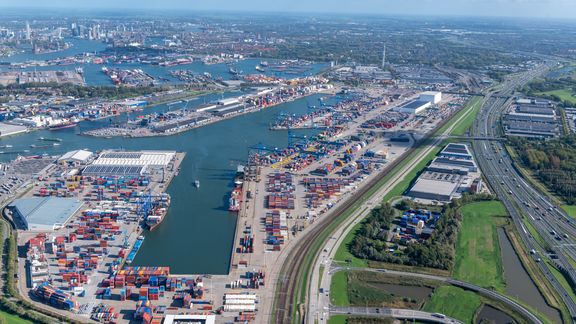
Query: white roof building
[(78, 156)]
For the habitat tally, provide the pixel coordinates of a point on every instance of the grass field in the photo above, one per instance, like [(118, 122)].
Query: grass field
[(13, 319), (339, 289), (454, 302), (337, 319), (570, 210), (563, 94), (478, 258), (467, 122)]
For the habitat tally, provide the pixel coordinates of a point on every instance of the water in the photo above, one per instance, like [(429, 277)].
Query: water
[(489, 313), (197, 235), (518, 282), (93, 74), (419, 293)]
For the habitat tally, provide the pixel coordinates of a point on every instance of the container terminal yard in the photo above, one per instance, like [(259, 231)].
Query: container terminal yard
[(78, 260)]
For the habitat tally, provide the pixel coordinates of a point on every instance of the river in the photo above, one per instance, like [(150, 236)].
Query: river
[(93, 74), (196, 236)]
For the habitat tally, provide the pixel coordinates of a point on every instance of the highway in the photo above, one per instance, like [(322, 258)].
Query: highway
[(524, 203)]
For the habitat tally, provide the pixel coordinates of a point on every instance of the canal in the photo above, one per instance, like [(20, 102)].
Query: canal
[(518, 283)]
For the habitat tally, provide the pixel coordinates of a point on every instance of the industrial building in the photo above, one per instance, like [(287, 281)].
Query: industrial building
[(76, 157), (425, 100), (414, 107), (532, 118), (115, 163), (433, 97), (451, 173), (45, 213)]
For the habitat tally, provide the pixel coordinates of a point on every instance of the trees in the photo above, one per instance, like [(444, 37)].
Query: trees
[(436, 252), (553, 162)]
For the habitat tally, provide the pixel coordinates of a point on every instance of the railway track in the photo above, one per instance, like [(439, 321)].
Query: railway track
[(292, 267)]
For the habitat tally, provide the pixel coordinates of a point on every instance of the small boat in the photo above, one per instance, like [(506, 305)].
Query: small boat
[(197, 183), (47, 139), (260, 69)]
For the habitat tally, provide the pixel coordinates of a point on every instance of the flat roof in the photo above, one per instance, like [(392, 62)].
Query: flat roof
[(188, 319), (46, 213), (414, 104), (135, 158), (113, 170), (79, 155), (434, 187)]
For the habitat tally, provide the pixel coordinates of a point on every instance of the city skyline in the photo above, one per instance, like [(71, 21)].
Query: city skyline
[(493, 8)]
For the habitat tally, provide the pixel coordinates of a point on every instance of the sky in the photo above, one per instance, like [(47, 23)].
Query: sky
[(499, 8)]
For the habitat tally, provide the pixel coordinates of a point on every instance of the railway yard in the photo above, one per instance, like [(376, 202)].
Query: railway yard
[(77, 261)]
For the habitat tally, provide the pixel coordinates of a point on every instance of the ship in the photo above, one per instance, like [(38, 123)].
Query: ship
[(234, 71), (63, 125), (236, 196), (264, 63), (47, 139), (135, 249), (260, 68), (235, 200), (197, 183), (152, 221)]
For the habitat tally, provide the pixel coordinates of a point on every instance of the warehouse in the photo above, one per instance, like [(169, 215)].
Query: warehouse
[(76, 157), (451, 173), (433, 97), (44, 214), (113, 170), (414, 107), (532, 118), (190, 319), (136, 158), (436, 186)]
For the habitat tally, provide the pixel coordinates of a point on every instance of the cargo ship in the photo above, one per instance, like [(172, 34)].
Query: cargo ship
[(63, 125), (235, 200), (152, 221)]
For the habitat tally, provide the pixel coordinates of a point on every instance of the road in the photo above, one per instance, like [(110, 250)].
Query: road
[(462, 284), (403, 314), (523, 202)]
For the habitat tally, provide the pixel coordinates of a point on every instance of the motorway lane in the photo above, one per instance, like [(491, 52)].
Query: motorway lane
[(518, 196)]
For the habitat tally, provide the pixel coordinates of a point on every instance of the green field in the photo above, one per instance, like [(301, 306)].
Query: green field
[(454, 302), (570, 210), (467, 122), (478, 258), (12, 319), (337, 319), (566, 95), (339, 289)]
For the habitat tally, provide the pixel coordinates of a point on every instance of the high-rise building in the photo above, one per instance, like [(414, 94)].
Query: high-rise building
[(28, 31), (384, 57)]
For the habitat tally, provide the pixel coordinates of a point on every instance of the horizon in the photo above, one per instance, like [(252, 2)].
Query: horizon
[(531, 9)]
